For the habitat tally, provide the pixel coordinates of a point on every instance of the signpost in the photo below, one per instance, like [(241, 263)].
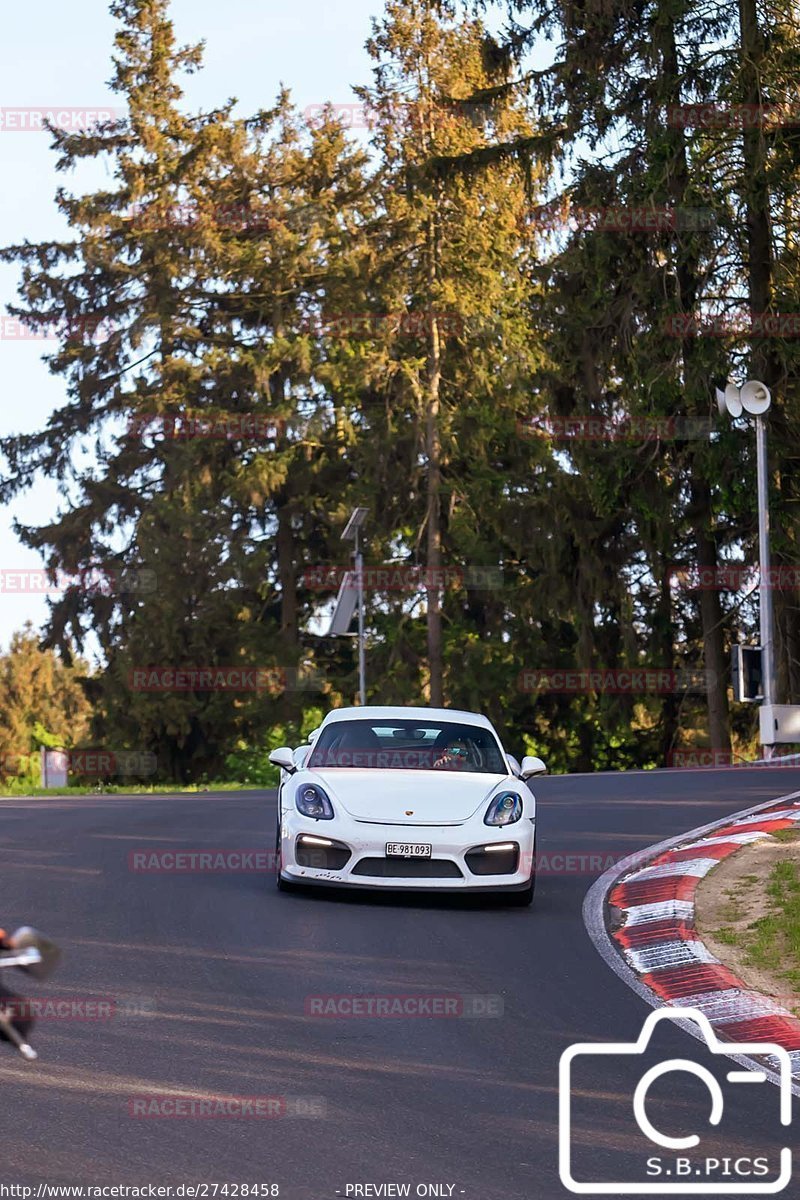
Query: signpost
[(55, 768), (351, 593), (746, 674), (778, 722)]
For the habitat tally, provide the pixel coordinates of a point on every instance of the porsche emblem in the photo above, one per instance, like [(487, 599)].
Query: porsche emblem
[(409, 812)]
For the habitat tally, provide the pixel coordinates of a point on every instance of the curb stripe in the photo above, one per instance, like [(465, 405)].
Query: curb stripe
[(733, 1005), (657, 949), (669, 954), (697, 867), (794, 1055), (783, 1030), (769, 826), (720, 849), (741, 839), (647, 932), (663, 910), (630, 895), (673, 983)]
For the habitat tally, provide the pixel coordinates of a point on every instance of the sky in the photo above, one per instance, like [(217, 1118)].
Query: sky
[(57, 55)]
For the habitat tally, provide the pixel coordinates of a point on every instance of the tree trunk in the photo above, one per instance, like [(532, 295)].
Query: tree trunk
[(433, 514), (765, 362), (665, 657), (696, 385), (287, 579), (433, 520), (716, 663)]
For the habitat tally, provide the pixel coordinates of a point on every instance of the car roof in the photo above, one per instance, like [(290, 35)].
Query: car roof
[(375, 712)]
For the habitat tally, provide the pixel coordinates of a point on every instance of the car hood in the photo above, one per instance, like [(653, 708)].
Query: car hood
[(408, 797)]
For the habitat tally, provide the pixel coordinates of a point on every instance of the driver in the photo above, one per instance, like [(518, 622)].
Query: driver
[(454, 756)]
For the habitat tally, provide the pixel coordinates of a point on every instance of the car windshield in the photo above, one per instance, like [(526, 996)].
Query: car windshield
[(409, 745)]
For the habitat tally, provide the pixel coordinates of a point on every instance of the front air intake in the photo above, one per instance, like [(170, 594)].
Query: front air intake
[(331, 857), (408, 868), (482, 860)]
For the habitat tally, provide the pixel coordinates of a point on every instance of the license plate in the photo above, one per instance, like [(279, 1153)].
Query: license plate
[(408, 849)]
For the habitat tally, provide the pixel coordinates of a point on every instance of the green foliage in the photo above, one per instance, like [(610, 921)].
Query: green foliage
[(773, 940), (250, 763), (42, 703), (404, 327)]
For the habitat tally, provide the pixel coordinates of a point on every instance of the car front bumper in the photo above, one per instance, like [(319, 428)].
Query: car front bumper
[(459, 859)]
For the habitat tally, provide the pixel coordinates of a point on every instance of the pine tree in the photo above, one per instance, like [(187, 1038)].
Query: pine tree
[(198, 264), (451, 270)]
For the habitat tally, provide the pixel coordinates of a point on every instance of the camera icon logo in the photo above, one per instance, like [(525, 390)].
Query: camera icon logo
[(676, 1178)]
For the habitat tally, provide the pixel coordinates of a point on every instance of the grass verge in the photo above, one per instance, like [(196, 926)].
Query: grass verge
[(119, 789), (770, 942)]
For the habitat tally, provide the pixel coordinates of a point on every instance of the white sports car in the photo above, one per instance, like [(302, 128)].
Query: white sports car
[(406, 798)]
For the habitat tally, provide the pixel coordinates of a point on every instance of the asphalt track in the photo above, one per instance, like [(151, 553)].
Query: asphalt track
[(228, 964)]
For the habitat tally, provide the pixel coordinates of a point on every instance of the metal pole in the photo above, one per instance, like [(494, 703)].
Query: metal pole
[(362, 668), (765, 591)]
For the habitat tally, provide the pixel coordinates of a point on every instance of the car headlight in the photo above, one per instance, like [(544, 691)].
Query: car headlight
[(504, 809), (311, 801)]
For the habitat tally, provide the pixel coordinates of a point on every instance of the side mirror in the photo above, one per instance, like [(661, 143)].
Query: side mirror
[(532, 766), (283, 757), (515, 767)]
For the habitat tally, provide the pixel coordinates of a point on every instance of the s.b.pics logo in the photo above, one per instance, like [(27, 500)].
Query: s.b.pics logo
[(706, 1155)]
